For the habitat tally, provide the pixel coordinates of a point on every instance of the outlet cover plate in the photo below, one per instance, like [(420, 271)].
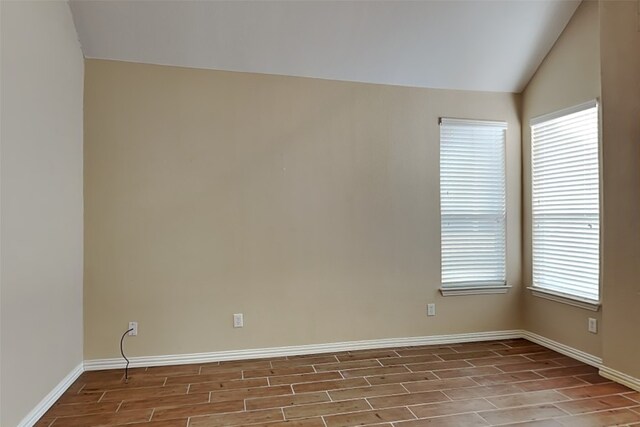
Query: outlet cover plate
[(134, 329), (238, 320), (431, 309)]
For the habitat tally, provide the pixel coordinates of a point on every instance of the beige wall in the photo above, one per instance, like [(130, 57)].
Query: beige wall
[(41, 203), (569, 75), (311, 206), (620, 47)]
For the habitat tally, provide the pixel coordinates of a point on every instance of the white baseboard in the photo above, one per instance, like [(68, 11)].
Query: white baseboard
[(580, 355), (100, 364), (46, 403), (620, 377), (218, 356)]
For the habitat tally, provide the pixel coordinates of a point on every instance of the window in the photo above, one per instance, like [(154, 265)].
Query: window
[(472, 206), (566, 203)]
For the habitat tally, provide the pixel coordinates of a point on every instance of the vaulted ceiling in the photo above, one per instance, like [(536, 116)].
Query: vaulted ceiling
[(467, 45)]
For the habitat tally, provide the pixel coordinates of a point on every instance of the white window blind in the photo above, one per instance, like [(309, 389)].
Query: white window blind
[(472, 203), (566, 202)]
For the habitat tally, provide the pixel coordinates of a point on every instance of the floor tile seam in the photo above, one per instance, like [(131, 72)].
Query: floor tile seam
[(521, 421), (366, 399), (525, 407), (325, 415), (434, 371), (346, 400), (621, 394), (305, 404), (330, 397), (494, 354), (78, 404), (342, 371), (597, 412), (489, 402), (444, 415), (531, 380), (529, 404), (509, 423), (497, 395), (585, 397), (318, 382), (621, 408), (541, 369), (96, 413), (447, 415), (380, 396), (415, 417), (220, 413), (408, 406), (361, 412)]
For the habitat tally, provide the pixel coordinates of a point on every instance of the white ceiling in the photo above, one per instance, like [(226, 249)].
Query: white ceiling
[(471, 45)]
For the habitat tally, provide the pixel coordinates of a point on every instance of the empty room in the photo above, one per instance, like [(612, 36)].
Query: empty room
[(319, 213)]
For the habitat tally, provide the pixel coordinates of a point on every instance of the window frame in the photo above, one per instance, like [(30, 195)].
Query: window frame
[(545, 292), (478, 287)]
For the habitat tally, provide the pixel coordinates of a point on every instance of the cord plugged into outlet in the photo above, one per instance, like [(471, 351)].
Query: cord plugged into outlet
[(131, 331)]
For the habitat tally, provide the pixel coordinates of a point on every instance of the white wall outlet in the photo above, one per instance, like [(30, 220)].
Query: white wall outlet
[(133, 329), (238, 320), (431, 309), (593, 325)]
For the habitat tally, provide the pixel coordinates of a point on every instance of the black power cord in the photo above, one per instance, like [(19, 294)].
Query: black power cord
[(126, 369)]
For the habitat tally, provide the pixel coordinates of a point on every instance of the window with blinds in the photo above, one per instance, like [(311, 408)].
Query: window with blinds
[(472, 203), (566, 202)]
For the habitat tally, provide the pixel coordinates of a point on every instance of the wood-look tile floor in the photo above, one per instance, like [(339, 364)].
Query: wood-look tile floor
[(513, 382)]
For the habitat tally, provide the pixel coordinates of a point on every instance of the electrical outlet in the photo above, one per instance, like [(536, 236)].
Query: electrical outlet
[(133, 326), (238, 320), (593, 325), (431, 309)]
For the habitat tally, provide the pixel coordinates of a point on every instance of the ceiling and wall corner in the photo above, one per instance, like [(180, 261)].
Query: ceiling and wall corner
[(467, 45), (569, 75)]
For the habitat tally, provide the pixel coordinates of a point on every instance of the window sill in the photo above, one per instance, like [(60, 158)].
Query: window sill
[(474, 290), (565, 298)]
